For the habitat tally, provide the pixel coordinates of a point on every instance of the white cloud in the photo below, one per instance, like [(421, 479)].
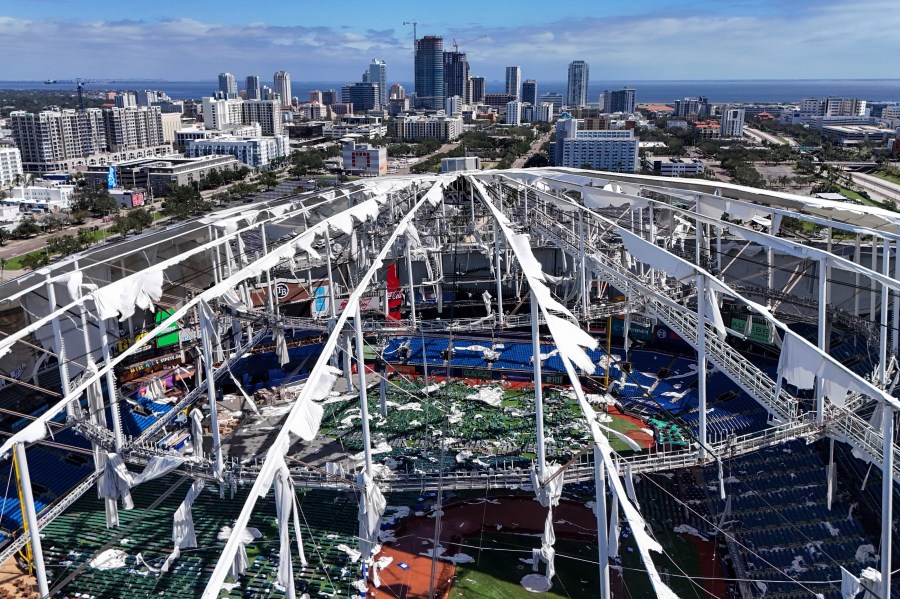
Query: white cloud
[(838, 40)]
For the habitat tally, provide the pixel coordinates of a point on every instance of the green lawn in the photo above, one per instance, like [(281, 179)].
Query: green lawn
[(496, 574), (15, 263), (887, 177)]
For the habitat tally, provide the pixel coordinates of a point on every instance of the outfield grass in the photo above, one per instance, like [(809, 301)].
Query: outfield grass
[(496, 574)]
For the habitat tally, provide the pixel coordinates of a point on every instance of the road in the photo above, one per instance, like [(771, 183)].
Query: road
[(23, 246), (444, 148), (878, 188), (535, 148), (768, 137)]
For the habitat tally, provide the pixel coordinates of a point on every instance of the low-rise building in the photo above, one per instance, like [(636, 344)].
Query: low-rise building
[(440, 127), (675, 167), (707, 129), (460, 163), (364, 159), (37, 198), (256, 152), (850, 135), (365, 126), (162, 174)]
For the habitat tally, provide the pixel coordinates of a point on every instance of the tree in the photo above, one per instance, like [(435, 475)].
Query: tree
[(183, 200), (27, 228), (102, 203), (35, 260), (537, 160), (139, 219), (268, 179)]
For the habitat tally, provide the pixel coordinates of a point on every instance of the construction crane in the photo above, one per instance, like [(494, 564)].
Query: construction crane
[(456, 44), (413, 23), (81, 82)]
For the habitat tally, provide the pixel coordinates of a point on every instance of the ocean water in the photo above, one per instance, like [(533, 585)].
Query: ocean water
[(773, 90)]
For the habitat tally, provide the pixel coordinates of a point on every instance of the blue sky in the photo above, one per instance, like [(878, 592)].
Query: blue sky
[(323, 41)]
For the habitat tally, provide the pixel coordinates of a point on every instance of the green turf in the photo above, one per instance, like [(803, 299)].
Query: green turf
[(496, 574)]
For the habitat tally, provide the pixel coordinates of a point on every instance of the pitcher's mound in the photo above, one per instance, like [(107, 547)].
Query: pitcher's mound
[(536, 583)]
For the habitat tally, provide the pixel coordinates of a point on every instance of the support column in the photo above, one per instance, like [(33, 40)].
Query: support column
[(499, 273), (332, 310), (887, 498), (883, 338), (412, 290), (823, 299), (206, 344), (602, 534), (872, 282), (585, 297), (701, 362), (719, 247), (895, 320), (363, 398), (61, 359), (34, 532), (273, 305), (111, 389), (857, 258), (538, 390)]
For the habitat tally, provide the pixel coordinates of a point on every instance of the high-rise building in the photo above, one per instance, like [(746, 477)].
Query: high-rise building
[(692, 106), (731, 122), (133, 128), (478, 89), (125, 100), (576, 91), (265, 112), (615, 151), (253, 91), (453, 105), (554, 98), (378, 74), (283, 87), (514, 82), (315, 96), (430, 72), (330, 97), (619, 101), (530, 92), (514, 113), (10, 166), (456, 75), (48, 138), (363, 96), (397, 92), (227, 86), (542, 112)]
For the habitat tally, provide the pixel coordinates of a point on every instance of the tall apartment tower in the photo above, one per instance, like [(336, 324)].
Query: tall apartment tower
[(478, 90), (619, 101), (378, 74), (530, 92), (514, 82), (228, 86), (731, 121), (283, 87), (456, 75), (430, 72), (576, 91), (253, 87)]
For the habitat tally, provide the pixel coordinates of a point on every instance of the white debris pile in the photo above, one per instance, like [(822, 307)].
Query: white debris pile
[(110, 559), (491, 395), (536, 583), (353, 554), (250, 534), (686, 529)]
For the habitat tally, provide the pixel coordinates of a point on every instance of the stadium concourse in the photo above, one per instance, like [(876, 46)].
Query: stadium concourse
[(490, 383)]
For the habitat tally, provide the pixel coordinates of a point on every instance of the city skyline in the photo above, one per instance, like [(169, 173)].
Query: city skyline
[(736, 40)]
